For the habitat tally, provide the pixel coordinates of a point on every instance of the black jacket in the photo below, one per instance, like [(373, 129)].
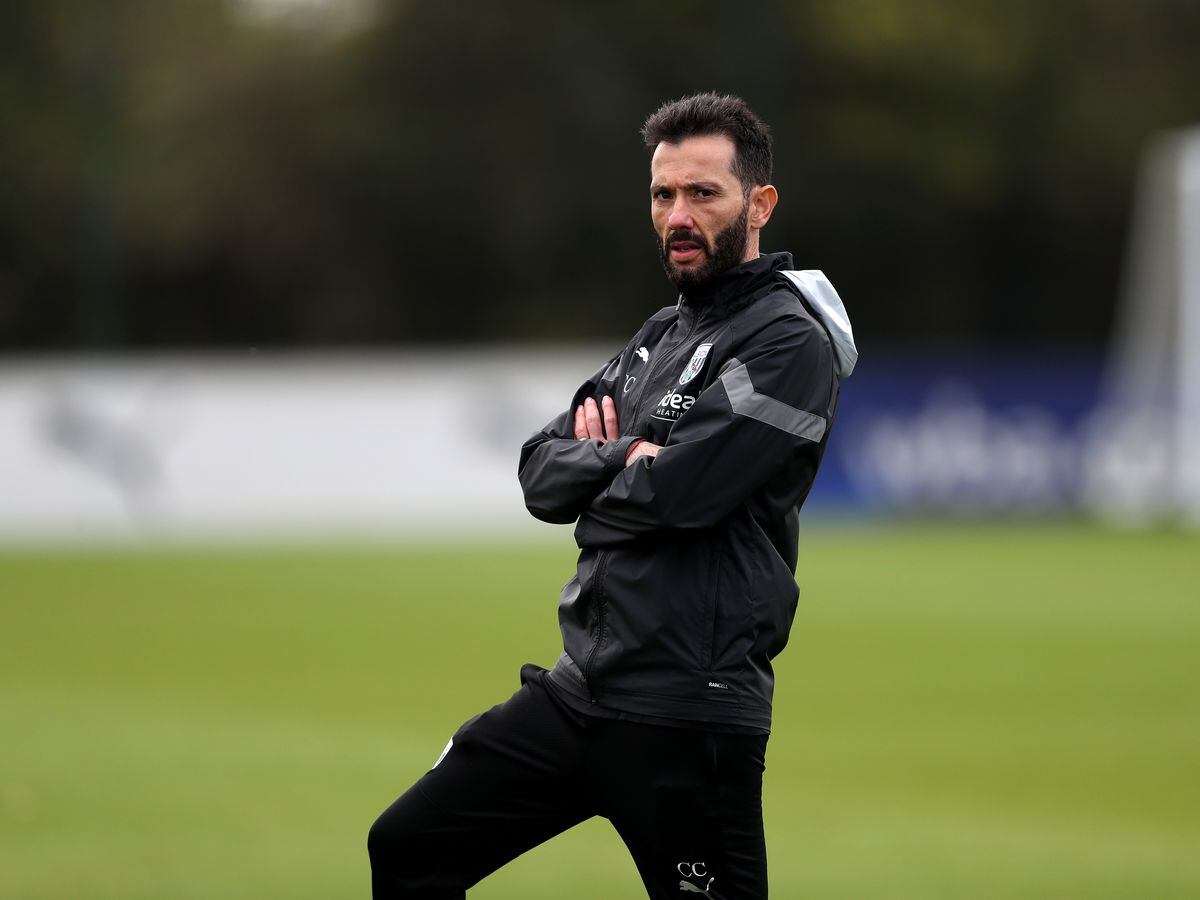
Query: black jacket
[(685, 586)]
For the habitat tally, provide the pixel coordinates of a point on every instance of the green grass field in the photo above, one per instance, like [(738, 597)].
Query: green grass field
[(963, 712)]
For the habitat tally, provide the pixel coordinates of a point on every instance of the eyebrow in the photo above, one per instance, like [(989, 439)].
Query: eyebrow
[(692, 185)]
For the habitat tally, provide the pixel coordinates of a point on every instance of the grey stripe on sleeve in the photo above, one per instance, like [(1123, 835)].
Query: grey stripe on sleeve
[(748, 402)]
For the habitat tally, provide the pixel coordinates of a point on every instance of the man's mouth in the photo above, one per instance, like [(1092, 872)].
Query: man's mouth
[(684, 251)]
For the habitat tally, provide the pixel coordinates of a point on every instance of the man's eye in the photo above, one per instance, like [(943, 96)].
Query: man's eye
[(662, 195), (704, 192)]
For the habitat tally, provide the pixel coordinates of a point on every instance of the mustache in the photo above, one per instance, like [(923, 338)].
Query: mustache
[(684, 234)]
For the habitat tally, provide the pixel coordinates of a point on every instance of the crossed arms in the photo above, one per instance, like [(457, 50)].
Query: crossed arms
[(588, 427), (748, 425)]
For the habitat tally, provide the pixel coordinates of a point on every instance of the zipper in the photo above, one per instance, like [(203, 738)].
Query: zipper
[(710, 622), (598, 597), (654, 366), (602, 556)]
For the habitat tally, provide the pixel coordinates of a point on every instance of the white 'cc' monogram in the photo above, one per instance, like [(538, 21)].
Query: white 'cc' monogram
[(687, 869)]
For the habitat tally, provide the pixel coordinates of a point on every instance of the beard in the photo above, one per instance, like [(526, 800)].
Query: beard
[(726, 251)]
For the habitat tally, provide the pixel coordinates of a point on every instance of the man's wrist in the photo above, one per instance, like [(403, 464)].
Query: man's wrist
[(614, 453), (629, 451)]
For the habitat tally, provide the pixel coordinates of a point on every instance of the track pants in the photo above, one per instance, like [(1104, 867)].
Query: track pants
[(686, 802)]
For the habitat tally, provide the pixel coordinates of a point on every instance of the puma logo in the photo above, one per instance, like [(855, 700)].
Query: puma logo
[(695, 870)]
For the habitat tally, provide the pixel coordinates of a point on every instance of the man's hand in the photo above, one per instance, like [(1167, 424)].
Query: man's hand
[(640, 449), (600, 423), (588, 424)]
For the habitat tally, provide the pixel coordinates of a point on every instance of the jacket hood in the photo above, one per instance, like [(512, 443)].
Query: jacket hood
[(824, 303)]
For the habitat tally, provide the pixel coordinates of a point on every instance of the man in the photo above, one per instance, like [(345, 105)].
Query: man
[(684, 460)]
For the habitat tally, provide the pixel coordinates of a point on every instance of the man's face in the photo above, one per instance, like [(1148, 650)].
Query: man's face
[(698, 209)]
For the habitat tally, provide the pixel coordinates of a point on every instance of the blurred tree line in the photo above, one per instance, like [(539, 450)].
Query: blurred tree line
[(274, 173)]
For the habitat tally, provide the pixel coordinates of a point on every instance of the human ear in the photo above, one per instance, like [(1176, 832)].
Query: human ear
[(762, 201)]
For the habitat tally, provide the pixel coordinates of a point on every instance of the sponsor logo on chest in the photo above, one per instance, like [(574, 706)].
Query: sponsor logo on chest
[(672, 405)]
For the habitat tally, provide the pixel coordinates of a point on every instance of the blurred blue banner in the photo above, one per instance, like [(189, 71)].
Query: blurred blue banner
[(964, 434)]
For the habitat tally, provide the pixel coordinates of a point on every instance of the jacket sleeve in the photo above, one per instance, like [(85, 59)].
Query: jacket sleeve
[(763, 409), (559, 473)]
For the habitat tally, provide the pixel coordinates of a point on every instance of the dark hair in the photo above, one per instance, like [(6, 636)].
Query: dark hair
[(710, 113)]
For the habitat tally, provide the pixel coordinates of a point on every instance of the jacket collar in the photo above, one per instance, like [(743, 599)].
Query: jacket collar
[(733, 289)]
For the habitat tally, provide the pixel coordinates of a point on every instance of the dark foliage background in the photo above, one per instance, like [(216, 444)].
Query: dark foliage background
[(274, 174)]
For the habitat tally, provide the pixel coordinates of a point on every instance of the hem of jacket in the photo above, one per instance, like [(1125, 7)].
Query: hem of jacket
[(566, 675)]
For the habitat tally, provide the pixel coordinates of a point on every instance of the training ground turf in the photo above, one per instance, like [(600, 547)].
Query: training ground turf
[(963, 712)]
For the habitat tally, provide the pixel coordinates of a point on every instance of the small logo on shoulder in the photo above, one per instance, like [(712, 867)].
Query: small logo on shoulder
[(718, 684), (644, 354)]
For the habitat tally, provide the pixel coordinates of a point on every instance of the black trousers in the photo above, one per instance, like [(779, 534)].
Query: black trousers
[(687, 802)]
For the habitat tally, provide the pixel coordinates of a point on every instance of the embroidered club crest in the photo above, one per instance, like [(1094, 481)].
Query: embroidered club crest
[(696, 364)]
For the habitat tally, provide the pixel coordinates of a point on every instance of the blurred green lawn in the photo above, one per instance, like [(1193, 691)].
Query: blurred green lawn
[(963, 712)]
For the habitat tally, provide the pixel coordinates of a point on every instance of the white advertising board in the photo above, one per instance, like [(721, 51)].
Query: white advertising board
[(420, 442)]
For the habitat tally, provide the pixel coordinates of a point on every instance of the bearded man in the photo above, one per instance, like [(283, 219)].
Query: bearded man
[(683, 462)]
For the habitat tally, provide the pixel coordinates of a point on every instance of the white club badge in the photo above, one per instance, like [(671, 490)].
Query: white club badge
[(696, 364)]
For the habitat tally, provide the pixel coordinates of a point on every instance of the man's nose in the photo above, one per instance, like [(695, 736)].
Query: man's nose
[(681, 216)]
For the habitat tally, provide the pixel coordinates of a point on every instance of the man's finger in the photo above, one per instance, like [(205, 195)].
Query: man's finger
[(591, 415), (580, 427), (610, 418)]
